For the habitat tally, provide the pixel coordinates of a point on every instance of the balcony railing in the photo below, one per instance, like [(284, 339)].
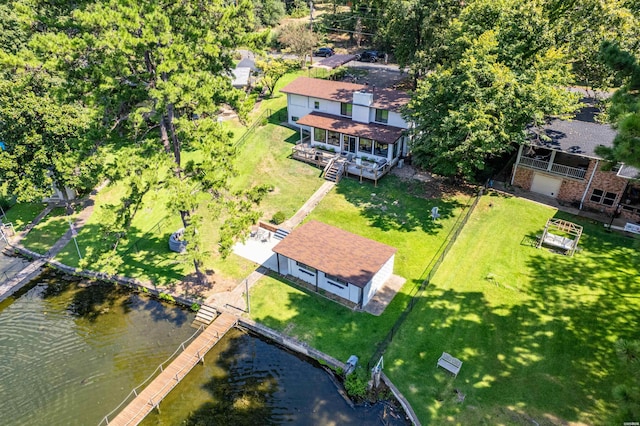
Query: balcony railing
[(556, 169)]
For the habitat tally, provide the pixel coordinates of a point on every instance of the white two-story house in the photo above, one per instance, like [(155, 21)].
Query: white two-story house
[(347, 128)]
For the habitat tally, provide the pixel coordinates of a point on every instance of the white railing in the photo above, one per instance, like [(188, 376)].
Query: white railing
[(568, 171), (134, 393), (558, 169)]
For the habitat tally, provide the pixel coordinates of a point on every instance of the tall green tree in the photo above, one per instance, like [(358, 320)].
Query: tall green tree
[(582, 25), (299, 40), (46, 141), (501, 74), (415, 30), (624, 105), (156, 74), (628, 394)]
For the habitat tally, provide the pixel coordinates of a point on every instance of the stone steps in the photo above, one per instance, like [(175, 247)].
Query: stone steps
[(280, 234), (206, 314)]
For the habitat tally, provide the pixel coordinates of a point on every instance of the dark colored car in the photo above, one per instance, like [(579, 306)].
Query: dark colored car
[(324, 51), (370, 56)]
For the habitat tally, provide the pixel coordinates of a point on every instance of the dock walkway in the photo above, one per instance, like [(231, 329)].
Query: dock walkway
[(160, 387)]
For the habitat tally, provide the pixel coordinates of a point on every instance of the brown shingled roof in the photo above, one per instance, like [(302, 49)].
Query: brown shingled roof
[(341, 91), (377, 132), (333, 251)]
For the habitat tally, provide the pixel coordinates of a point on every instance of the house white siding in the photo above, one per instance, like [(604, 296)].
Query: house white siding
[(361, 114), (378, 279), (301, 273), (346, 291), (332, 286), (396, 120)]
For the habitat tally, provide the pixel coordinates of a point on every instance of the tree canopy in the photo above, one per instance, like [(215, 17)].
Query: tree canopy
[(148, 79), (502, 72)]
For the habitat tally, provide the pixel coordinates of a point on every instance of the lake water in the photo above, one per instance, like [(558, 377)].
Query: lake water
[(71, 352)]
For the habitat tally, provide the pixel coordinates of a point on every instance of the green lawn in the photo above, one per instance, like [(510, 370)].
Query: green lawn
[(262, 159), (534, 329), (395, 213), (20, 215), (47, 232)]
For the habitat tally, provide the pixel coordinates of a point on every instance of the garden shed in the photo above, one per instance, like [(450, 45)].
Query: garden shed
[(347, 265)]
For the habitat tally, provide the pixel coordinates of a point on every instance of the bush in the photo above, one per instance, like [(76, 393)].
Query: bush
[(278, 218), (355, 386), (195, 307), (166, 297)]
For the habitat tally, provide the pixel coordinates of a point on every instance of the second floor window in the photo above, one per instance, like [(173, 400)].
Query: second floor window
[(382, 116), (316, 105), (345, 109)]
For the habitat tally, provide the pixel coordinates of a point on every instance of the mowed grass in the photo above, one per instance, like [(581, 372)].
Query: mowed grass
[(396, 213), (20, 215), (534, 329), (262, 159), (47, 232)]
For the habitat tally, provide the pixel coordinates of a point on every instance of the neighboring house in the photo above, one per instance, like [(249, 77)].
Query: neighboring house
[(561, 162), (352, 128), (241, 77), (339, 262)]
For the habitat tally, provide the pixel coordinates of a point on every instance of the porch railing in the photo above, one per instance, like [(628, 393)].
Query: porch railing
[(557, 169)]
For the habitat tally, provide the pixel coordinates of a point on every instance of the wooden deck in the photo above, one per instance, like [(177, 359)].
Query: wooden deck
[(160, 387)]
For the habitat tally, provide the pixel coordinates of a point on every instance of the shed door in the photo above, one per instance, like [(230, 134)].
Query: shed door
[(546, 185)]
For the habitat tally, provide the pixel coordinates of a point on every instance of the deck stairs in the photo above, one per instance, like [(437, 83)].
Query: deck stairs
[(334, 170), (206, 314), (280, 234)]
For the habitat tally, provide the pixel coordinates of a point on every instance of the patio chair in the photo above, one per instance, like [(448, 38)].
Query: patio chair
[(434, 213)]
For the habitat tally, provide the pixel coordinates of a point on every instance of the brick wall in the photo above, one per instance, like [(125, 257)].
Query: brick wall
[(606, 181), (572, 190), (523, 178)]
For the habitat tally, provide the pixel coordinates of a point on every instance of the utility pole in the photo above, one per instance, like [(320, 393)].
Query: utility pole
[(311, 29)]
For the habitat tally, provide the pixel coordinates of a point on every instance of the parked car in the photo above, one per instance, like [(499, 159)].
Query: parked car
[(324, 51), (370, 56)]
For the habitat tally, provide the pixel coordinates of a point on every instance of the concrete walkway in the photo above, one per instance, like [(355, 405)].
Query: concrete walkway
[(261, 253), (311, 203), (33, 269)]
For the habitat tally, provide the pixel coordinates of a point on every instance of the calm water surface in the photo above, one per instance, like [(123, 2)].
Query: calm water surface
[(71, 352)]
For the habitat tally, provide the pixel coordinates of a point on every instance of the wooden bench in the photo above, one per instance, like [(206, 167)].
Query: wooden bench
[(450, 363)]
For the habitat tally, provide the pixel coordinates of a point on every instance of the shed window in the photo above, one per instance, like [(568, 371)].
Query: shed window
[(306, 268), (336, 280)]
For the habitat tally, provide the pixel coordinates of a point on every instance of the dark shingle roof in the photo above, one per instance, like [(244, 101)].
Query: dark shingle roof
[(579, 136), (348, 256), (576, 137)]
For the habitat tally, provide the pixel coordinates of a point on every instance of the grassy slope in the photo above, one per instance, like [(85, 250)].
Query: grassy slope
[(399, 219), (47, 232), (20, 215), (263, 158), (535, 329)]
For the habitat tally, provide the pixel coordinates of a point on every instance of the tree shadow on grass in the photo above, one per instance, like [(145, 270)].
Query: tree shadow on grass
[(513, 356), (391, 206)]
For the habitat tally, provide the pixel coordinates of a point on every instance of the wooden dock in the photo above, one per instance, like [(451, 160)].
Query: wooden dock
[(160, 387)]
